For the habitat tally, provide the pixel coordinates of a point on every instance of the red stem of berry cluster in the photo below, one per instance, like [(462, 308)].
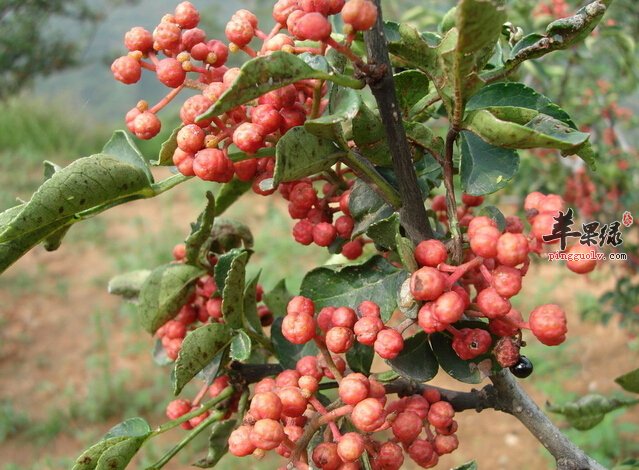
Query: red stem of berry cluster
[(324, 412)]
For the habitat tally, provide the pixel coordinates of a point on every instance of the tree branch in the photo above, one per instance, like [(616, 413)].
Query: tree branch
[(379, 75), (515, 401), (451, 204)]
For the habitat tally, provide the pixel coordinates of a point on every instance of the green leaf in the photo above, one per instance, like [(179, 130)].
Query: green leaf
[(628, 464), (263, 74), (406, 250), (521, 128), (218, 443), (229, 193), (200, 231), (88, 460), (370, 137), (124, 149), (223, 266), (132, 427), (366, 207), (241, 346), (299, 154), (484, 168), (164, 292), (230, 234), (411, 86), (384, 232), (360, 358), (416, 361), (472, 371), (118, 456), (467, 466), (86, 187), (343, 106), (525, 42), (479, 23), (495, 214), (198, 350), (233, 293), (277, 299), (288, 353), (590, 410), (250, 305), (165, 158), (421, 135), (376, 280), (629, 381), (517, 95)]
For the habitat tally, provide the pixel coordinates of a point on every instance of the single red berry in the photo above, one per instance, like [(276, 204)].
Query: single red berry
[(532, 201), (448, 430), (312, 27), (184, 162), (389, 343), (283, 8), (344, 226), (178, 408), (427, 283), (277, 42), (298, 329), (325, 456), (245, 170), (353, 249), (300, 304), (179, 252), (130, 117), (218, 385), (146, 125), (187, 315), (512, 249), (339, 339), (360, 14), (449, 307), (368, 415), (441, 414), (319, 6), (389, 457), (308, 384), (445, 444), (194, 422), (335, 6), (325, 318), (542, 225), (239, 32), (418, 405), (267, 384), (267, 117), (193, 107), (186, 15), (248, 137), (491, 304), (220, 53), (463, 293), (340, 364), (344, 202), (191, 138), (548, 324), (303, 195), (138, 39), (166, 36), (506, 281), (582, 259), (406, 427), (126, 70), (214, 308), (479, 222), (428, 321), (484, 241), (367, 328), (354, 388), (351, 446), (246, 15), (344, 316), (421, 451), (508, 325), (267, 434), (470, 343), (174, 329), (432, 395), (430, 253), (472, 201), (514, 224), (368, 308), (293, 402), (240, 443), (324, 234), (193, 37), (213, 165), (266, 405), (439, 203), (303, 232), (551, 203), (170, 72)]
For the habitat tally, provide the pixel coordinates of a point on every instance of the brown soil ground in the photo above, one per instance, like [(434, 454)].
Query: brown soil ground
[(46, 337)]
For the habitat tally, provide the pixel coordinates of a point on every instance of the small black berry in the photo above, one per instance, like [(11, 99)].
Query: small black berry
[(523, 368)]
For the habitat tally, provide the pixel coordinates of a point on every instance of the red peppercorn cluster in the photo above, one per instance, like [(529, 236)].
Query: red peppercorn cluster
[(494, 267), (422, 426), (203, 145), (553, 8), (205, 306), (340, 327), (180, 407)]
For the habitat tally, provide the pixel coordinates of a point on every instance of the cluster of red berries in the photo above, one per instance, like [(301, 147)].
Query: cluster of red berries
[(204, 307), (495, 264), (180, 407), (581, 192), (340, 327)]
